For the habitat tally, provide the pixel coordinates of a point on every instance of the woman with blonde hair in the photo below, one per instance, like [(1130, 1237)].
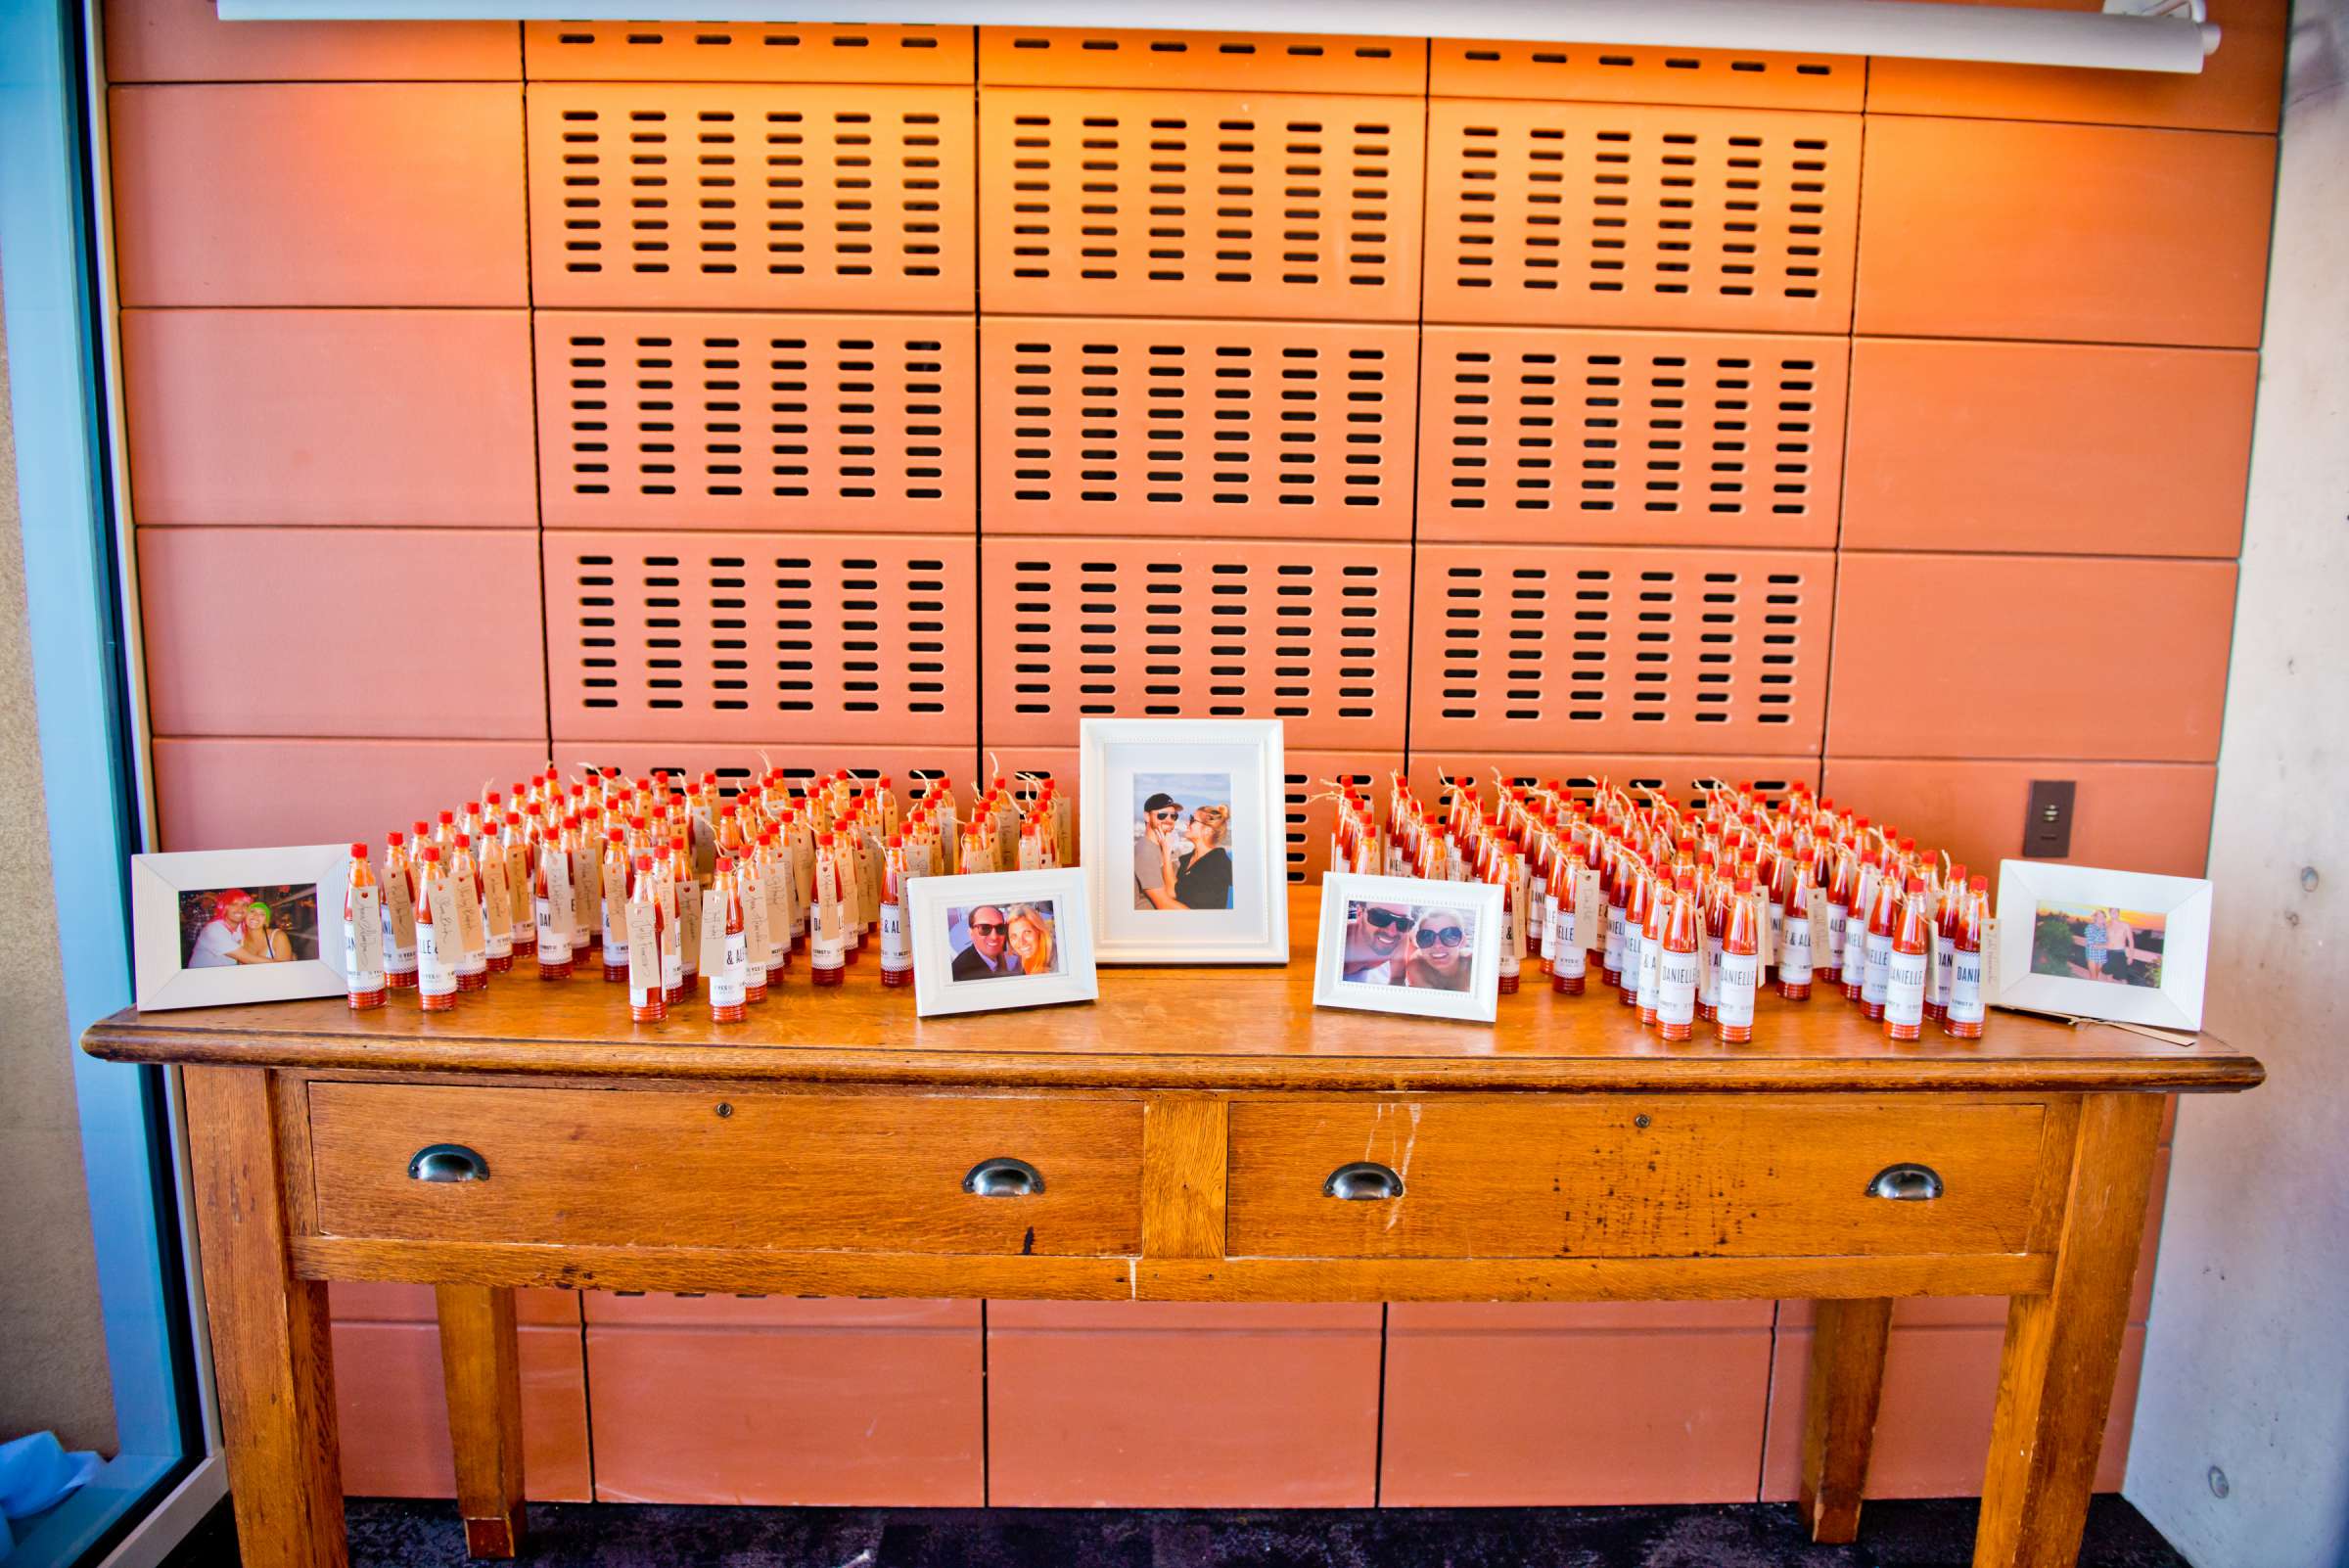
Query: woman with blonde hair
[(1201, 879), (265, 942), (1439, 959), (1031, 936)]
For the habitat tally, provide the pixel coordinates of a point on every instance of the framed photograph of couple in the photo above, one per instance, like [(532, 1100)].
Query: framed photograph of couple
[(1185, 839), (1002, 939), (1397, 944), (2121, 945), (218, 927)]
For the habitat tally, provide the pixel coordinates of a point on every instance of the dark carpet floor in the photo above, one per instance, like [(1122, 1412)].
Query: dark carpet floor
[(1893, 1535)]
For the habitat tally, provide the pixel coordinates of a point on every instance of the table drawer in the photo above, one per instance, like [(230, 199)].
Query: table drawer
[(639, 1168), (1638, 1176)]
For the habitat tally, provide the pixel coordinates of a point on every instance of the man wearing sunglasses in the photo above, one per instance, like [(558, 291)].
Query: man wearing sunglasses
[(1161, 821), (1374, 942), (989, 956)]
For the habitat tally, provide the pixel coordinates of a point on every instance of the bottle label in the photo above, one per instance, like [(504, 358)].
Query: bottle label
[(713, 947), (435, 975), (1905, 988), (1965, 987), (1619, 937), (555, 905), (473, 938), (1651, 963), (689, 928), (613, 910), (644, 952), (399, 923), (1708, 979), (1878, 955), (1740, 976), (1838, 920), (363, 942), (729, 977), (497, 902), (554, 940), (1794, 959), (1676, 989), (896, 951), (757, 930), (1944, 948)]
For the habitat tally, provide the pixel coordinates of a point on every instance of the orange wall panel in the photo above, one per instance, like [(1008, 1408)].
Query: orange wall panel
[(2084, 233), (2132, 817), (1676, 777), (360, 1301), (1111, 57), (1744, 79), (2062, 657), (328, 656), (343, 194), (216, 793), (374, 417), (742, 51), (2056, 448), (1151, 1405), (1528, 436), (2238, 89), (394, 1413), (185, 40)]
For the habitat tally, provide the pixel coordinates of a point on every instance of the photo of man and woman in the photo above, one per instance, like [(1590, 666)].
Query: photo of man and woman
[(1418, 946), (2097, 942), (1182, 841), (221, 928), (996, 942)]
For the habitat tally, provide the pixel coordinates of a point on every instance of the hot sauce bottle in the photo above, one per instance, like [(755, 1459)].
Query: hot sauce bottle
[(436, 969), (1740, 964), (1506, 873), (729, 993), (750, 882), (1883, 920), (550, 889), (613, 913), (896, 951), (1652, 893), (400, 929), (1676, 976), (690, 915), (498, 890), (1712, 918), (521, 868), (1568, 958), (673, 930), (827, 942), (363, 935), (647, 994), (775, 882), (1963, 1021), (1945, 923), (1905, 971), (1618, 949), (1795, 936), (465, 888)]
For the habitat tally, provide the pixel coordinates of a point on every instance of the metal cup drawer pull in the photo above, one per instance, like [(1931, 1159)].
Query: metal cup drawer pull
[(1004, 1177), (447, 1162), (1362, 1181), (1906, 1183)]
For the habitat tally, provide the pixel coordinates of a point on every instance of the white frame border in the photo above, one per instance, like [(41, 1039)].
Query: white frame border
[(158, 880), (2182, 902), (1095, 738), (927, 900), (1478, 1005)]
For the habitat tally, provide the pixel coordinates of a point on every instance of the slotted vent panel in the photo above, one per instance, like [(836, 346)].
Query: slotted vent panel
[(1312, 805), (1111, 57), (1681, 778), (666, 636), (1313, 635), (1621, 438), (703, 419), (1112, 426), (1566, 650), (1462, 67), (1585, 214), (750, 196), (1199, 204), (722, 51)]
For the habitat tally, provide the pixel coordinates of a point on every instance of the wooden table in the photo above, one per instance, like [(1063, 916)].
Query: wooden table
[(1198, 1135)]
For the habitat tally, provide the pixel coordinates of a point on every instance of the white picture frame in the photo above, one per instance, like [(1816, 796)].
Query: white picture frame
[(161, 886), (2164, 992), (1475, 1002), (933, 902), (1236, 764)]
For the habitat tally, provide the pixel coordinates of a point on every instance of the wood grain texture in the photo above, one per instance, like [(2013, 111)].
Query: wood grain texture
[(2063, 1347), (1174, 1029), (1184, 1150), (271, 1361), (858, 1173), (1631, 1176), (1839, 1412), (481, 1368)]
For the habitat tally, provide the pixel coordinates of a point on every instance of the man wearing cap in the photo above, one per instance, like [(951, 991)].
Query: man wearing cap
[(1162, 820)]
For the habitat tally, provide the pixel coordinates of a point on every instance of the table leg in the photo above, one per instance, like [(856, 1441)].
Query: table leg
[(2063, 1348), (271, 1361), (481, 1368), (1839, 1412)]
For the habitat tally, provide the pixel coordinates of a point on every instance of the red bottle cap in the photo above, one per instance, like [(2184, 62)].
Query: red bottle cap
[(394, 839), (358, 851), (432, 854)]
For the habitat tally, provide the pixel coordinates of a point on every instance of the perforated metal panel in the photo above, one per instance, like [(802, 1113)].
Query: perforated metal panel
[(733, 763), (697, 419), (1631, 437), (1568, 650), (751, 197), (762, 638), (1197, 428), (1462, 68), (1581, 772), (1591, 215), (1111, 57), (1313, 635), (724, 51), (1199, 204)]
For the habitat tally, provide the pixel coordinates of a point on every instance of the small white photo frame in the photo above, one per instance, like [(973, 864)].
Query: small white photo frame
[(196, 929), (1206, 798), (1400, 944), (1000, 939), (2123, 946)]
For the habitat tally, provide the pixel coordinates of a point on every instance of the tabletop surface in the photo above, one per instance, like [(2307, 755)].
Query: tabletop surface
[(1253, 1027)]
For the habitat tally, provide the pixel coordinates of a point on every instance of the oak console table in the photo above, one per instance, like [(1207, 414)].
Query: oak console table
[(1198, 1135)]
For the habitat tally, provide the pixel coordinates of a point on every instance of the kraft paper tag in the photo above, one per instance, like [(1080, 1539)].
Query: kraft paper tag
[(755, 927), (363, 938), (614, 885), (1990, 962), (781, 899), (702, 833), (443, 910), (560, 912), (580, 871), (672, 929), (399, 902), (825, 923), (1589, 906), (518, 887), (644, 947), (473, 938), (712, 945), (1516, 931), (1819, 920), (689, 926), (497, 898)]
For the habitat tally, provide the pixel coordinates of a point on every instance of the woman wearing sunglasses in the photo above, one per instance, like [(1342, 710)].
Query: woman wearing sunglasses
[(1439, 959)]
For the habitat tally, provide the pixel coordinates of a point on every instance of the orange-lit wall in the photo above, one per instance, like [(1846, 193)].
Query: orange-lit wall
[(888, 396)]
